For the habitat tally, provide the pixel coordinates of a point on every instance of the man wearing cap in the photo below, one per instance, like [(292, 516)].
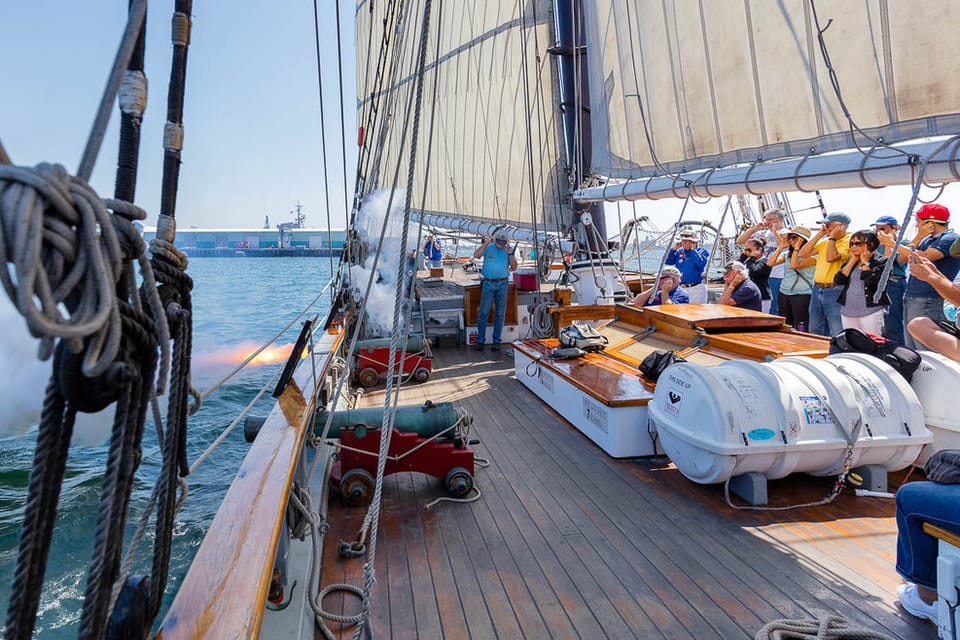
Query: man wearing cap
[(691, 260), (831, 245), (739, 291), (896, 285), (668, 287), (769, 231), (932, 241), (498, 262)]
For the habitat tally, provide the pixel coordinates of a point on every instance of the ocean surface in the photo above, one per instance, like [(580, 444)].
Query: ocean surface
[(239, 304)]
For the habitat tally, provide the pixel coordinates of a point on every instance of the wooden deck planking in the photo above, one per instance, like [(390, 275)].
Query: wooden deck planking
[(567, 542), (666, 559)]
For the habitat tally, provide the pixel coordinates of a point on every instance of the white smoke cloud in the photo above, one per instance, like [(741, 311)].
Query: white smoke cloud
[(23, 382), (23, 378), (369, 225)]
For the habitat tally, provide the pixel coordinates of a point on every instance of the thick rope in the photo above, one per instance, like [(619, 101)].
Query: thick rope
[(73, 279), (49, 462), (827, 628), (60, 239)]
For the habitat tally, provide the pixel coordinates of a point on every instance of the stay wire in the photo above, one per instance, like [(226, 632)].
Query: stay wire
[(323, 124)]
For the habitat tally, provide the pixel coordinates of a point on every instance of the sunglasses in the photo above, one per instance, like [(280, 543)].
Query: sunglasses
[(857, 244), (792, 236)]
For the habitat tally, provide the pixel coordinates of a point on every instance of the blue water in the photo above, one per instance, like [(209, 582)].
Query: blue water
[(236, 300)]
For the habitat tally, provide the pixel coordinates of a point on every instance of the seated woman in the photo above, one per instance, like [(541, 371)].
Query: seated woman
[(860, 278), (758, 270), (919, 502), (942, 337), (668, 286)]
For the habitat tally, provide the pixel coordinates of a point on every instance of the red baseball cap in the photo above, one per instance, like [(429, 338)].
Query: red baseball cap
[(936, 212)]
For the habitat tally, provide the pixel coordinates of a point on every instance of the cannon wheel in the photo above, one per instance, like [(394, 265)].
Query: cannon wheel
[(368, 377), (459, 482), (356, 487)]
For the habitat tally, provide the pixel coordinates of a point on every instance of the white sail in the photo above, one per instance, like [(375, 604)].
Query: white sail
[(481, 159), (720, 84)]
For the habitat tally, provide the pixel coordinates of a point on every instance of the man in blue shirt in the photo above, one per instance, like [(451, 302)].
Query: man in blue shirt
[(896, 285), (432, 252), (932, 241), (691, 260), (668, 287), (740, 290), (498, 262)]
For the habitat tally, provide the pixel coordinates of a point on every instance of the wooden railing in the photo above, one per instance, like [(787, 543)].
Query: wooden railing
[(225, 590)]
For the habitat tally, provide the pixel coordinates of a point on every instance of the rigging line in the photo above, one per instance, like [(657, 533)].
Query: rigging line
[(373, 111), (135, 19), (389, 395), (343, 120), (137, 537), (524, 40), (914, 196), (544, 122), (216, 385), (323, 127), (430, 131), (384, 141), (835, 85), (373, 272)]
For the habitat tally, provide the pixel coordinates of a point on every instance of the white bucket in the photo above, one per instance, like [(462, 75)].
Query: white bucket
[(935, 381), (597, 282), (740, 416)]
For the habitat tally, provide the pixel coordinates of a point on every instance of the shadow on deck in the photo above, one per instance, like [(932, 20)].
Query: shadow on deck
[(566, 542)]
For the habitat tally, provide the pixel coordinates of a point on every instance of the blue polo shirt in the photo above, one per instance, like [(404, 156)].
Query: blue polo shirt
[(691, 264), (947, 265), (677, 296), (496, 262), (433, 252)]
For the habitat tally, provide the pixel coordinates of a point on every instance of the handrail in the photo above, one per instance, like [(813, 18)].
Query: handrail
[(225, 590)]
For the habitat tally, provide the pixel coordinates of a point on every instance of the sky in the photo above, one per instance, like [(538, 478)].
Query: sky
[(252, 144), (252, 133)]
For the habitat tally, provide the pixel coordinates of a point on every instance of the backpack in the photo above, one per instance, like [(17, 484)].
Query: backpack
[(656, 361), (904, 359), (943, 467), (582, 336)]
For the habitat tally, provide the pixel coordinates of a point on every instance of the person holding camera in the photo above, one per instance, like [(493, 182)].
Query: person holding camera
[(932, 241), (498, 262)]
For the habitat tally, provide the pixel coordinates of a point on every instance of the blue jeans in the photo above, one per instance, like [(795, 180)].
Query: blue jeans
[(492, 293), (825, 311), (919, 502), (774, 284), (915, 307), (434, 263), (893, 322)]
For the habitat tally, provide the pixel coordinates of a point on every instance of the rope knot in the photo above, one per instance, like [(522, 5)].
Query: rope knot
[(63, 245)]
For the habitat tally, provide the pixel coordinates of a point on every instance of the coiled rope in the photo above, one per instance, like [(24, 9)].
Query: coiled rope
[(827, 628)]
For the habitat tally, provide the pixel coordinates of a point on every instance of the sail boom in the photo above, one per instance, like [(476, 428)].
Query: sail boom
[(481, 227), (841, 170)]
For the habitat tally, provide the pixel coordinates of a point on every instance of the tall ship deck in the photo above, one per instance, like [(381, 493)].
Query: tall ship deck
[(566, 541)]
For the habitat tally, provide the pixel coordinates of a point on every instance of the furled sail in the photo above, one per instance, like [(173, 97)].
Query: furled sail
[(691, 87), (494, 153)]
